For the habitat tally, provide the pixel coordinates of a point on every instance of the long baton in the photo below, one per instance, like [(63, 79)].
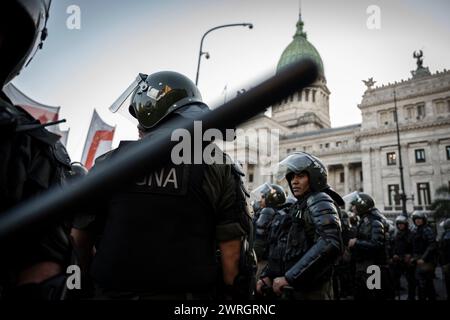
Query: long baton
[(149, 153)]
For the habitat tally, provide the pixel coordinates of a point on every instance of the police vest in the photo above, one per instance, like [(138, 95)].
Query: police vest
[(159, 235)]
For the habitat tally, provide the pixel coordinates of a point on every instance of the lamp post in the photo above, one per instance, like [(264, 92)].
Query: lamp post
[(249, 25), (400, 163)]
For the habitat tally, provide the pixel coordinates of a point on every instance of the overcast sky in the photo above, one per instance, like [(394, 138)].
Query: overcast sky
[(87, 68)]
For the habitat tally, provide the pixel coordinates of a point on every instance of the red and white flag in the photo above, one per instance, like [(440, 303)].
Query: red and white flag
[(39, 111), (98, 141)]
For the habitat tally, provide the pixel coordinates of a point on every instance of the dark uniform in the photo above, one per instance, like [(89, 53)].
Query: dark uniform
[(369, 248), (444, 248), (306, 241), (424, 248), (274, 198), (401, 254), (160, 233), (31, 161)]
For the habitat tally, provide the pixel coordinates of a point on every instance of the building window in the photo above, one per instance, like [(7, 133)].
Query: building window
[(386, 117), (391, 158), (361, 175), (338, 143), (250, 178), (410, 113), (447, 148), (440, 107), (314, 95), (423, 192), (327, 145), (341, 177), (288, 150), (420, 155), (299, 96), (393, 194), (420, 112)]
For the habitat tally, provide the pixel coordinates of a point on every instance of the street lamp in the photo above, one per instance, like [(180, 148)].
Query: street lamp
[(249, 25), (403, 196)]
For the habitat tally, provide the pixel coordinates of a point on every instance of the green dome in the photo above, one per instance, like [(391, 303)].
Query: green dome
[(299, 48)]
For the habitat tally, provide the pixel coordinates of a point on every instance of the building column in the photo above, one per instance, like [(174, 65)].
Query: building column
[(346, 178), (435, 162), (351, 178)]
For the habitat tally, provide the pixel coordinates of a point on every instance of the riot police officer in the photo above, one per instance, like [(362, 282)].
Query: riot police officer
[(308, 239), (424, 255), (159, 233), (369, 246), (273, 198), (31, 161), (400, 259), (444, 248)]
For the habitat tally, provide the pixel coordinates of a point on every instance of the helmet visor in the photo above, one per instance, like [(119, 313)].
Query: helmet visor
[(295, 163), (123, 102), (259, 192), (351, 199)]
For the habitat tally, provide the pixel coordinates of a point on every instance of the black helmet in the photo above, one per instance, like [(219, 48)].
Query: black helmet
[(299, 162), (273, 194), (419, 215), (362, 201), (22, 31), (446, 224), (401, 219), (161, 94), (77, 170)]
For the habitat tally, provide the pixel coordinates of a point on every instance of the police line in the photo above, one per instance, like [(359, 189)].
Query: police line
[(148, 153)]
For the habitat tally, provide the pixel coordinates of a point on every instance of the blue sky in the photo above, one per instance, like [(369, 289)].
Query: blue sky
[(84, 69)]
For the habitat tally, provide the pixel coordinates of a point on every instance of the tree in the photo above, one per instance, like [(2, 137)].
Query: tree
[(441, 204)]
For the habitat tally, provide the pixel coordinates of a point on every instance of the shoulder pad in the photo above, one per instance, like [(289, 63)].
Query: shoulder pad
[(318, 197), (268, 211), (61, 154)]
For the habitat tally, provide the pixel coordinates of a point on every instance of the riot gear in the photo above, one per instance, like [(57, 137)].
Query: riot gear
[(305, 242), (273, 194), (419, 215), (23, 29), (299, 162), (424, 255), (156, 96), (401, 220), (77, 170), (361, 201)]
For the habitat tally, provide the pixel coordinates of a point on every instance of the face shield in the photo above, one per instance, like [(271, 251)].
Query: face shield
[(259, 192), (351, 199), (294, 163), (123, 102)]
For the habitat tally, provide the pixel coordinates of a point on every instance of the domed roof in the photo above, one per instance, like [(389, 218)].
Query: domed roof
[(299, 48)]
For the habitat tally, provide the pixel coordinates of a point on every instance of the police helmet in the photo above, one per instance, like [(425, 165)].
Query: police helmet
[(299, 162), (77, 170), (22, 32), (419, 215), (360, 200), (162, 94), (401, 219), (273, 194), (446, 224)]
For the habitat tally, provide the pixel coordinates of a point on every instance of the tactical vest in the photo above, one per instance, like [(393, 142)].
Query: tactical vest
[(159, 235), (290, 237)]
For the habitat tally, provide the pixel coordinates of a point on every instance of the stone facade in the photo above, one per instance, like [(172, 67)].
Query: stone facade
[(365, 156)]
